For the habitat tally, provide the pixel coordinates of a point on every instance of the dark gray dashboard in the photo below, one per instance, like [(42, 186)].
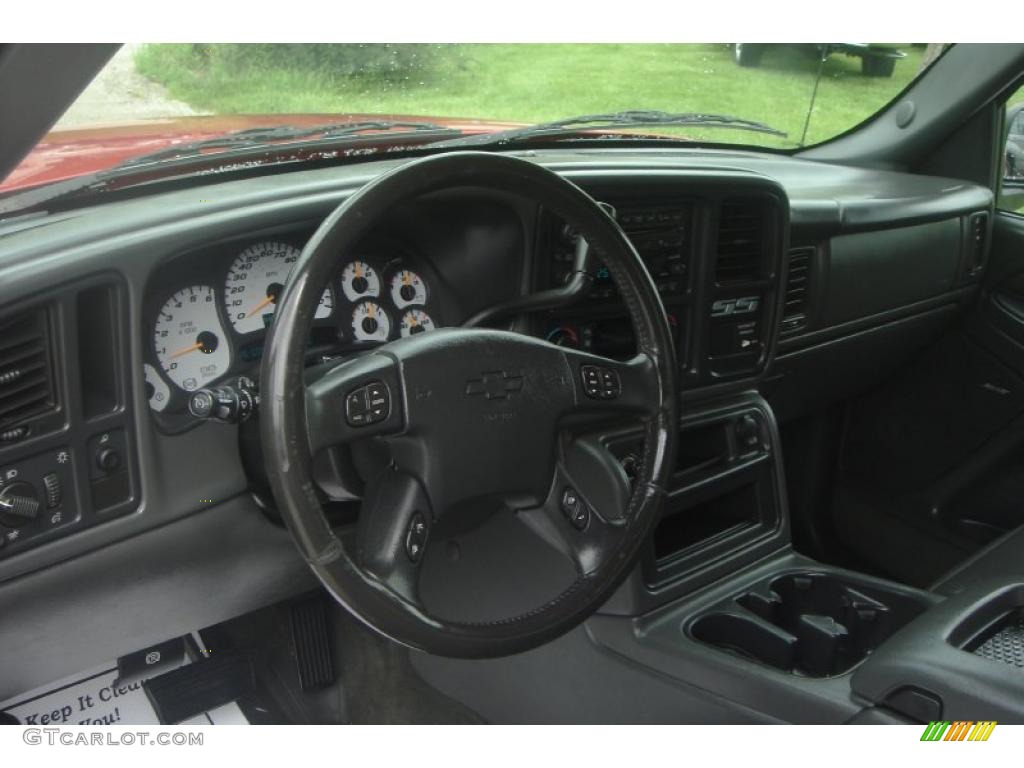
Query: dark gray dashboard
[(914, 234)]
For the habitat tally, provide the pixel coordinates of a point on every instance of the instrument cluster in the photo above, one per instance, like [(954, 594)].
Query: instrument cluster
[(211, 321)]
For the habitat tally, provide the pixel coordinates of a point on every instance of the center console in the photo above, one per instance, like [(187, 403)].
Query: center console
[(723, 603)]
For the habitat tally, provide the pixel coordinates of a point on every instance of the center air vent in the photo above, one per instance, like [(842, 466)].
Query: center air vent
[(794, 312), (26, 376), (741, 242)]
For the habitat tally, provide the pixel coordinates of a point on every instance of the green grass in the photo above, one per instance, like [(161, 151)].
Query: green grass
[(536, 82)]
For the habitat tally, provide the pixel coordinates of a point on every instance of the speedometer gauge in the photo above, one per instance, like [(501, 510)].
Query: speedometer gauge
[(408, 288), (370, 322), (255, 282), (416, 321), (189, 340), (359, 280)]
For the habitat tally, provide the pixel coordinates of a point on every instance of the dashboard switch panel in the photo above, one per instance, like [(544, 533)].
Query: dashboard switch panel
[(32, 496)]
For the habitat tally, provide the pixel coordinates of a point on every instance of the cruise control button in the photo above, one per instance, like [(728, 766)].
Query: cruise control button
[(570, 502), (356, 411), (416, 536), (574, 509)]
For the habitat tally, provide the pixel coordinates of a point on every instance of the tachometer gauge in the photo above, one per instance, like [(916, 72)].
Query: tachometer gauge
[(359, 280), (157, 391), (416, 321), (370, 322), (255, 281), (189, 340), (408, 288)]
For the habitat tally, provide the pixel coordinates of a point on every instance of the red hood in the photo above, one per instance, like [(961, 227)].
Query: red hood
[(64, 154)]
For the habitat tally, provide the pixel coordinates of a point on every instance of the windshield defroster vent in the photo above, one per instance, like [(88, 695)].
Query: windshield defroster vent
[(794, 312), (741, 242), (26, 373)]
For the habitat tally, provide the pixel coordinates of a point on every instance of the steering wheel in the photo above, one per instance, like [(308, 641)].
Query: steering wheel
[(466, 414)]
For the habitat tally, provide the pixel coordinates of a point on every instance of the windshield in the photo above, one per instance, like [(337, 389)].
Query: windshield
[(159, 102)]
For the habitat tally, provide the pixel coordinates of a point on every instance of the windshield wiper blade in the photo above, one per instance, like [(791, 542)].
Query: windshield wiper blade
[(601, 121), (257, 137)]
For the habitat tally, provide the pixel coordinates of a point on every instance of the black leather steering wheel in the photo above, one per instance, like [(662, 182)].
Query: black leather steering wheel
[(466, 414)]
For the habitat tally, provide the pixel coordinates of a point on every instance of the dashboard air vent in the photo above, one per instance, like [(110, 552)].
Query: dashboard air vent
[(741, 235), (794, 312), (26, 375)]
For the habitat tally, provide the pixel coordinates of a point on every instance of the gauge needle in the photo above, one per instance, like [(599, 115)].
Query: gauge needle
[(261, 305), (186, 350)]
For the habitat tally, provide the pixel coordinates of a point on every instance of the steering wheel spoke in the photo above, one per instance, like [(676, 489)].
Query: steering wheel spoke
[(394, 532), (355, 400), (572, 524), (607, 389)]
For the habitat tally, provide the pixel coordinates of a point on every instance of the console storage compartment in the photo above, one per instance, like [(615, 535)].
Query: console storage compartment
[(817, 624), (723, 495)]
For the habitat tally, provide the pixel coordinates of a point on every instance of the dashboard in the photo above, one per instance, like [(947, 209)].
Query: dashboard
[(137, 305)]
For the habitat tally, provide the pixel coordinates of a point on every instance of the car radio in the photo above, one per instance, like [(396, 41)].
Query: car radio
[(661, 235)]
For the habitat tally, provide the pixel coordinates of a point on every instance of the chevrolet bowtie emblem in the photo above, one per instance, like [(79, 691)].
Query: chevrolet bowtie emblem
[(496, 385)]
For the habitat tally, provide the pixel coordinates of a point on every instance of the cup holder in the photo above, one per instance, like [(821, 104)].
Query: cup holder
[(813, 624)]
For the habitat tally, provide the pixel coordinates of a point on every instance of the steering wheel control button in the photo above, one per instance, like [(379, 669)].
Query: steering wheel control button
[(600, 383), (379, 400), (416, 536), (356, 410), (574, 509), (368, 405)]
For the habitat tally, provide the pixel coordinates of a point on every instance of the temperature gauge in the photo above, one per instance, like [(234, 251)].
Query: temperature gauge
[(370, 322), (416, 321)]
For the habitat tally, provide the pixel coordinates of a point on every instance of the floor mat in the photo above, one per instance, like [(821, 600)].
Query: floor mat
[(93, 697)]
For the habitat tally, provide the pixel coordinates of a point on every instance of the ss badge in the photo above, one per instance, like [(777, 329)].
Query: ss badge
[(742, 306)]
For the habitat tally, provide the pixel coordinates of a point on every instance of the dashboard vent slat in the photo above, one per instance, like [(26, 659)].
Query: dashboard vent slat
[(741, 240), (26, 373), (794, 311)]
